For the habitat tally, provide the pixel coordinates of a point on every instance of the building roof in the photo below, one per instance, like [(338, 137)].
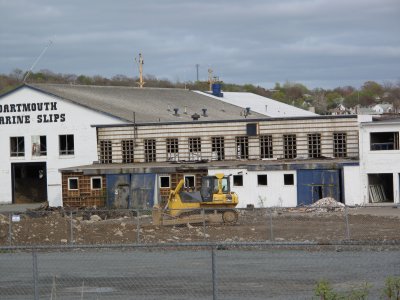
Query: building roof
[(166, 167), (146, 105), (261, 105)]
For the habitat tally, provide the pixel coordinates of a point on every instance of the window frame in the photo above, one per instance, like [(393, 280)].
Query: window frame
[(242, 144), (91, 183), (189, 176), (258, 179), (285, 183), (160, 180), (128, 151), (105, 151), (234, 180), (66, 151), (314, 145), (150, 150), (289, 146), (340, 144), (69, 183), (266, 146), (18, 152)]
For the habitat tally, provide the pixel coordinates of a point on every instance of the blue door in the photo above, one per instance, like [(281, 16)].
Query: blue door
[(313, 185)]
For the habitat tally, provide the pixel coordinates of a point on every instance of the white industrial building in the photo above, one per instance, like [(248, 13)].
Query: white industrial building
[(379, 161)]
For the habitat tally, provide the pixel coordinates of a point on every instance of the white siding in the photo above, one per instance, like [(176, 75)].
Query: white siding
[(78, 121)]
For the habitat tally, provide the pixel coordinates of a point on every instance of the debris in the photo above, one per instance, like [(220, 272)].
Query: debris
[(95, 218), (325, 205)]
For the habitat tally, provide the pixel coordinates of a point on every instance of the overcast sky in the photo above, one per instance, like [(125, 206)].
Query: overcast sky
[(320, 43)]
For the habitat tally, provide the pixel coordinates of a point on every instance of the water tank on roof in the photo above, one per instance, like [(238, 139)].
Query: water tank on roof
[(216, 90)]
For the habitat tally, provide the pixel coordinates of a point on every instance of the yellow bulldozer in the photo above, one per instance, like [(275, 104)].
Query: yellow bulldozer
[(214, 203)]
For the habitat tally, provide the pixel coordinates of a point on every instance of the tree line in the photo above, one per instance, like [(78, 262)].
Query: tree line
[(323, 100)]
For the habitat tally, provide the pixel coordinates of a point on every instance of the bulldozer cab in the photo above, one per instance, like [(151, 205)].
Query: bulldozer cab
[(211, 185)]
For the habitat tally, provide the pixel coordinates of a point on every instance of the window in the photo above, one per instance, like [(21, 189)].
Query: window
[(105, 152), (238, 180), (165, 182), (73, 183), (194, 148), (218, 148), (384, 141), (242, 147), (266, 150), (127, 147), (262, 179), (66, 144), (252, 129), (314, 145), (172, 149), (289, 146), (340, 144), (150, 150), (39, 145), (17, 146), (96, 183), (189, 181), (288, 179)]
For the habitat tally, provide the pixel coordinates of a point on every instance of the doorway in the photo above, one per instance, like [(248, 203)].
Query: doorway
[(29, 182)]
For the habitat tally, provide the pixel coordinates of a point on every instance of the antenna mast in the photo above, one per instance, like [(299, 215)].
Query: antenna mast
[(140, 63), (36, 61)]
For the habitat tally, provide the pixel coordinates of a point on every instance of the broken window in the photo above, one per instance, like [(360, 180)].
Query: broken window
[(96, 183), (127, 147), (238, 180), (218, 148), (105, 152), (262, 179), (66, 144), (73, 183), (340, 144), (194, 148), (266, 150), (165, 182), (288, 179), (39, 145), (314, 145), (384, 141), (289, 146), (189, 181), (242, 147), (172, 149), (150, 150), (17, 146)]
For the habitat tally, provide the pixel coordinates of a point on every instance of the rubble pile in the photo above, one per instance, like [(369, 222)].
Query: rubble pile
[(325, 205)]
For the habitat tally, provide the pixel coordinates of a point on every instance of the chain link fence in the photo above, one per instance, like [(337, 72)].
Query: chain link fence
[(191, 271), (82, 227)]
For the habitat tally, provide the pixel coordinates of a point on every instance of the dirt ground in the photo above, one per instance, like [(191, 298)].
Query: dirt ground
[(61, 227)]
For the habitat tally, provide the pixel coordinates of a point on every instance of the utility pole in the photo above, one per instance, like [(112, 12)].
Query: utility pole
[(139, 63), (197, 72)]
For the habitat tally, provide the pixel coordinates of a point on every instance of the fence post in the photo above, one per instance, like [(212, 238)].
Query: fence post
[(204, 223), (271, 236), (10, 228), (35, 275), (137, 226), (214, 274), (347, 223), (71, 229)]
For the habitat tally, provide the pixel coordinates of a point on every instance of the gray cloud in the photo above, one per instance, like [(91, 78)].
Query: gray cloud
[(316, 42)]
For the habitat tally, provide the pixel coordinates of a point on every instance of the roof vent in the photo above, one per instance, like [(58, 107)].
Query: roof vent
[(248, 110), (176, 111), (204, 112), (185, 110), (195, 116)]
